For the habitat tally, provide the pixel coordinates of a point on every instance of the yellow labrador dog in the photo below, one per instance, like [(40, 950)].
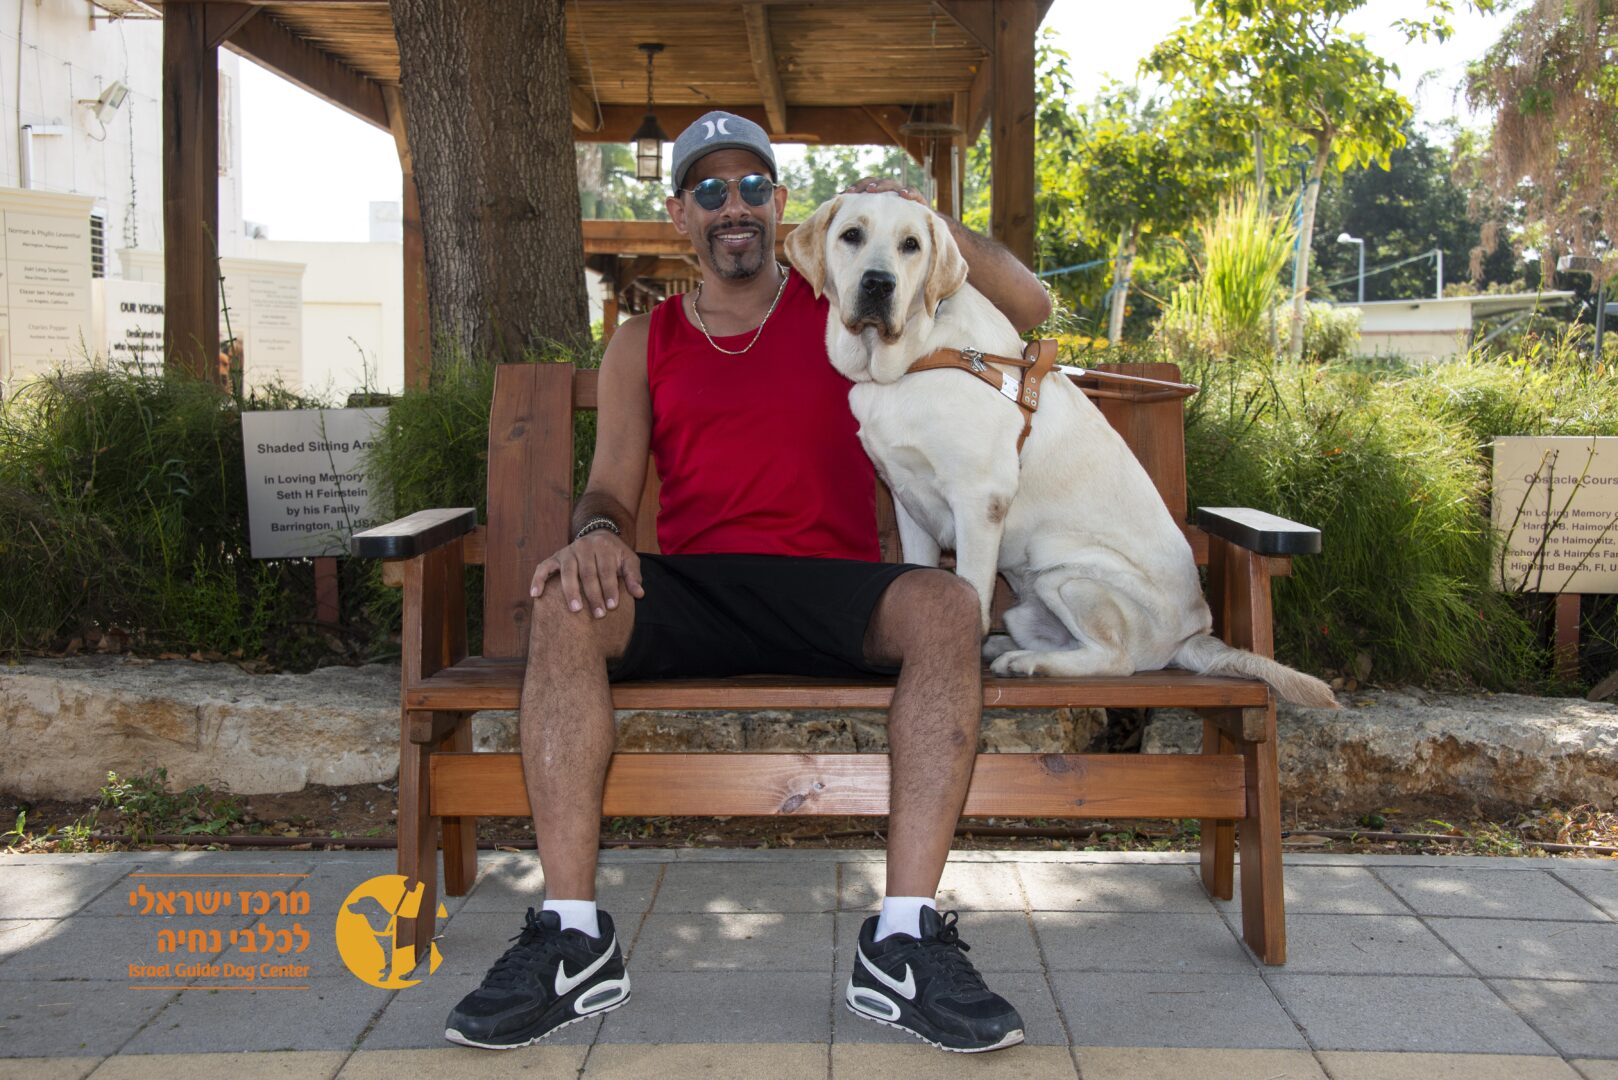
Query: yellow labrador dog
[(1105, 579)]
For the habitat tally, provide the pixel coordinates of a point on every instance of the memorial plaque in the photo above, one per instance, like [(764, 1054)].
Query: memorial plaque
[(1556, 509), (307, 491)]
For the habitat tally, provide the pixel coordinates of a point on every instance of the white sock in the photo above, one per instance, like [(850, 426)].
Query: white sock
[(902, 915), (576, 915)]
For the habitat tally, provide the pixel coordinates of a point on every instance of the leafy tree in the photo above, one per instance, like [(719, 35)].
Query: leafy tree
[(491, 133), (608, 188), (827, 170), (1140, 171), (1293, 67), (1410, 207), (1552, 80)]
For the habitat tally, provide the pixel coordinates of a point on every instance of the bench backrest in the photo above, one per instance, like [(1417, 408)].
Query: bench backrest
[(532, 457)]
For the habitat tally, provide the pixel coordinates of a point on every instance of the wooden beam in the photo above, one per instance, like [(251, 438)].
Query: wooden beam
[(265, 43), (583, 105), (1011, 208), (888, 118), (842, 125), (769, 76), (190, 192), (626, 272), (223, 20), (604, 237), (973, 16), (979, 97), (1012, 785), (418, 336), (393, 105)]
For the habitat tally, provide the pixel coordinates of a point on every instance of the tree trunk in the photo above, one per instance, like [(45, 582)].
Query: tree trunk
[(1120, 283), (491, 134), (1306, 231)]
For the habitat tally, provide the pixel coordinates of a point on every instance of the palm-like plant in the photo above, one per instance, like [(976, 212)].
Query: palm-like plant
[(1244, 250)]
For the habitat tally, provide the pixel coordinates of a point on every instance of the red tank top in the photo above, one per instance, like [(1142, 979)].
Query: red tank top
[(758, 453)]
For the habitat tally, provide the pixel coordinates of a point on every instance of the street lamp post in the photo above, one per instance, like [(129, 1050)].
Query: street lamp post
[(1344, 238)]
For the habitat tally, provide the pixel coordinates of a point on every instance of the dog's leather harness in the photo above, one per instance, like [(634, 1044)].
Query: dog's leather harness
[(1024, 389)]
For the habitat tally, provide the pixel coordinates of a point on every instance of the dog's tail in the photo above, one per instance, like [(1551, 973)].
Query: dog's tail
[(1207, 655)]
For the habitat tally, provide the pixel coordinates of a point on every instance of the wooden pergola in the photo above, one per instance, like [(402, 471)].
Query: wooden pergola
[(925, 75)]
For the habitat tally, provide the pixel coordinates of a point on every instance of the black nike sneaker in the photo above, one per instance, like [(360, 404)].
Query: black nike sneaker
[(928, 987), (549, 979)]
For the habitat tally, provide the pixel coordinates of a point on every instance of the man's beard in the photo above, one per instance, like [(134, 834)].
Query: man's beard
[(739, 266)]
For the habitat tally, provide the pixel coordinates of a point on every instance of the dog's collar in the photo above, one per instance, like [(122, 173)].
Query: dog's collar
[(1022, 389)]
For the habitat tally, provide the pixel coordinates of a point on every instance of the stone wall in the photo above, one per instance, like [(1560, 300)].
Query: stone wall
[(65, 723)]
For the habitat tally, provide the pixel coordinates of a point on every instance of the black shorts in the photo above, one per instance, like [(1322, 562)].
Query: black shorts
[(708, 616)]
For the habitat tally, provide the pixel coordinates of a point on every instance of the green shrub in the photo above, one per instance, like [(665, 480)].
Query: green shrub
[(1401, 497), (1226, 311), (433, 452), (123, 507), (1330, 333)]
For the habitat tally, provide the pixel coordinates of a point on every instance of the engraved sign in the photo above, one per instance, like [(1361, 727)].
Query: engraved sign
[(307, 491), (1556, 510)]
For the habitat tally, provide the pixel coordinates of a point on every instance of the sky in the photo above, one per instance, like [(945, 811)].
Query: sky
[(310, 171)]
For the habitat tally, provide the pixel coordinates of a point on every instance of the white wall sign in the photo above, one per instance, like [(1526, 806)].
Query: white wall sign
[(306, 487), (1556, 508), (45, 310), (132, 323), (261, 304)]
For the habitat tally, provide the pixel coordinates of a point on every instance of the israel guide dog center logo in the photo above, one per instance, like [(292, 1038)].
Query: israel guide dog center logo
[(367, 923)]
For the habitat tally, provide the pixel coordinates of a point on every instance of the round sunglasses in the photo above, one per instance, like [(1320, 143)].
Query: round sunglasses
[(755, 190)]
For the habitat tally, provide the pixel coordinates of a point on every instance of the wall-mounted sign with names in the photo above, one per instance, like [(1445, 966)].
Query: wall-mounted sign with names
[(307, 491), (1556, 511)]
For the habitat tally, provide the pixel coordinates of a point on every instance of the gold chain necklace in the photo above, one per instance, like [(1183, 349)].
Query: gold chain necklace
[(697, 311)]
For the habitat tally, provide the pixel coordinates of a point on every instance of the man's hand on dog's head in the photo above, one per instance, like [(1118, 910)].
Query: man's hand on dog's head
[(588, 572), (873, 185)]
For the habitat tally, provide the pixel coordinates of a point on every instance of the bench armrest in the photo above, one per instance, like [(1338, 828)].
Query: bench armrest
[(1257, 531), (414, 535)]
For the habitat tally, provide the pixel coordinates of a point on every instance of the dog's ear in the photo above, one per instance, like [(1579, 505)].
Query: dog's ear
[(947, 272), (806, 245)]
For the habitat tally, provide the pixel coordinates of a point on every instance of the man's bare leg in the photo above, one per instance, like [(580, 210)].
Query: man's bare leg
[(928, 622), (567, 735)]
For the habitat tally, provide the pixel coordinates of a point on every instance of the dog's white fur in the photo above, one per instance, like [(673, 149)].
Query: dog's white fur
[(1105, 579)]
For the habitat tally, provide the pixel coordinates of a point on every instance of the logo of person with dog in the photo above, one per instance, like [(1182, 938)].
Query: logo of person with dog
[(366, 925)]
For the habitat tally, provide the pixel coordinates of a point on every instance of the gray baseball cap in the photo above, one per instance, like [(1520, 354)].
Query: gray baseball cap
[(720, 131)]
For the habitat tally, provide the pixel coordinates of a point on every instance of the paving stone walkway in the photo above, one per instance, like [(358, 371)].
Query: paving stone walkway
[(1400, 967)]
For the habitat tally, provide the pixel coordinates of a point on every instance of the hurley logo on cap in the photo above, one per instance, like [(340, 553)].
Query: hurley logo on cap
[(716, 125)]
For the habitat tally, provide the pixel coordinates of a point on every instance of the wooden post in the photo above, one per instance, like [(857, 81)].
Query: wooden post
[(1567, 636), (418, 339), (609, 317), (944, 177), (1011, 206), (190, 191), (326, 589)]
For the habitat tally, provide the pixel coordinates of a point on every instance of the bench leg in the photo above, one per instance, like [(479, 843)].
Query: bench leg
[(1263, 903), (460, 833), (1218, 834), (418, 842)]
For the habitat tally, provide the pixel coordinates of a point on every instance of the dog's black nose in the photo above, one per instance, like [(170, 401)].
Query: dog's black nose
[(877, 284)]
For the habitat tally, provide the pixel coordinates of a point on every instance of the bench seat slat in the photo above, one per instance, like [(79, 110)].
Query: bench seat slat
[(486, 683), (1010, 785)]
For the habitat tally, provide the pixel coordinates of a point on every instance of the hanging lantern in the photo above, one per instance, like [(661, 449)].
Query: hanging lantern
[(649, 138)]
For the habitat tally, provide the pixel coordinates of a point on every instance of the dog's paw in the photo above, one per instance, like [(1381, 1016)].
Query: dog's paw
[(997, 645), (1016, 662)]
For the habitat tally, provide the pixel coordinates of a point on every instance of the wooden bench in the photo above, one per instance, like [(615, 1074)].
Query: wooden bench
[(1232, 786)]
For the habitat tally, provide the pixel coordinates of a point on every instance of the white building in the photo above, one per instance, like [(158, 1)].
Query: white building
[(80, 109), (1434, 329)]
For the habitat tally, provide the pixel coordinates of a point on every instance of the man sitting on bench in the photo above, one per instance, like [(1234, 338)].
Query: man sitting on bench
[(769, 565)]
